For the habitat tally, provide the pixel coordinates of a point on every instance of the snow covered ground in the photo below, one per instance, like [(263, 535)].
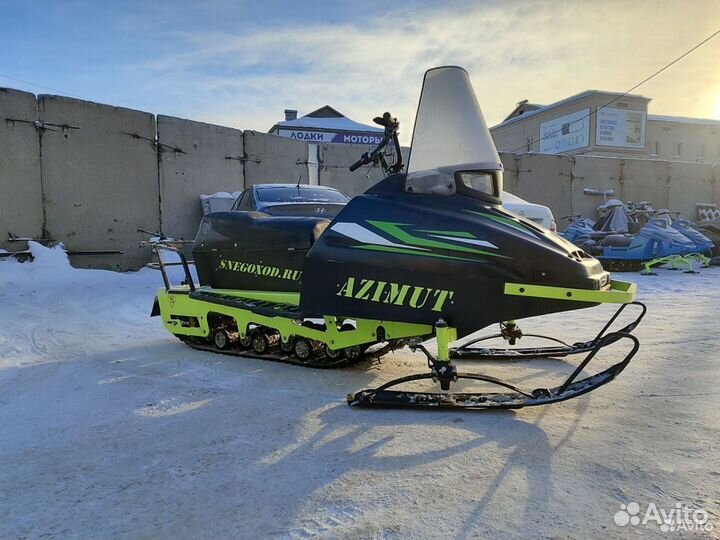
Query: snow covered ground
[(112, 428)]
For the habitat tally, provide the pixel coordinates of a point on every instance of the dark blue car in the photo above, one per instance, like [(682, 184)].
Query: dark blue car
[(292, 200)]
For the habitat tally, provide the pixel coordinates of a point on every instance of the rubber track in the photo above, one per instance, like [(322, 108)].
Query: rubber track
[(289, 359)]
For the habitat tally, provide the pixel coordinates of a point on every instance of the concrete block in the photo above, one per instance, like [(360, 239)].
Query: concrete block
[(195, 159), (335, 172), (597, 173), (274, 159), (690, 183), (100, 179), (645, 180), (545, 179), (21, 210), (510, 162)]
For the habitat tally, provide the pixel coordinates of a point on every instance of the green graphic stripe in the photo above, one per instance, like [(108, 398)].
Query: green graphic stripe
[(504, 221), (393, 229), (457, 234), (390, 249)]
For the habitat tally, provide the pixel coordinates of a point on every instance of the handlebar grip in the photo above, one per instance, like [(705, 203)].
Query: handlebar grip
[(359, 163)]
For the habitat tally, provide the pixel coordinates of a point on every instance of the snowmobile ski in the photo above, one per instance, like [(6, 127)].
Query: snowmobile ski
[(515, 399), (511, 332)]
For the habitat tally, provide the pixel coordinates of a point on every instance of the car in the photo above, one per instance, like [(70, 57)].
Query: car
[(537, 213), (292, 200)]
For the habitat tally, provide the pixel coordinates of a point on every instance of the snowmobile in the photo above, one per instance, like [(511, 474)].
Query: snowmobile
[(703, 245), (622, 244), (711, 230), (429, 252)]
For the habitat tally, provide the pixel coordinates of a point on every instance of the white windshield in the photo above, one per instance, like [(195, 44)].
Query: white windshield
[(450, 131)]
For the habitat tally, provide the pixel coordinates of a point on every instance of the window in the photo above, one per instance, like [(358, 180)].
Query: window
[(243, 198), (529, 144), (655, 148), (701, 154), (677, 149), (301, 193)]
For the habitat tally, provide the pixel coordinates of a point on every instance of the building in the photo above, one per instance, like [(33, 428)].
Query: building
[(326, 125), (675, 138), (582, 124), (573, 126)]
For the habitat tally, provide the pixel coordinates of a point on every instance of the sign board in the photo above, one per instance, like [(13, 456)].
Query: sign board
[(620, 127), (565, 133), (368, 138)]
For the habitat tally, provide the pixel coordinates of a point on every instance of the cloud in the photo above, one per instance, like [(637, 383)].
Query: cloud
[(513, 50)]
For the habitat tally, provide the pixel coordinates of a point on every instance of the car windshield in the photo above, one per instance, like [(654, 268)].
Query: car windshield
[(302, 194)]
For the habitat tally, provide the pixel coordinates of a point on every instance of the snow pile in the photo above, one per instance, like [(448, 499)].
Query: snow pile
[(54, 258), (222, 201)]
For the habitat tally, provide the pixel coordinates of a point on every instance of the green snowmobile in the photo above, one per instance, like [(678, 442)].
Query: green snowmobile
[(429, 252)]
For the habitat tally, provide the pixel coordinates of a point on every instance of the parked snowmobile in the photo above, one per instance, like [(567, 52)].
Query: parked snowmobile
[(612, 242), (703, 244), (423, 253)]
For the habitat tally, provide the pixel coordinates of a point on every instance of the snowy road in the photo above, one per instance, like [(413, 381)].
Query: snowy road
[(111, 428)]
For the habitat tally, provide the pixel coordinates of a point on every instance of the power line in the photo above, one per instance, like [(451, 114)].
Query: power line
[(42, 86), (658, 72)]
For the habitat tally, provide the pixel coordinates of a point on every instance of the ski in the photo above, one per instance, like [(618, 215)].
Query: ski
[(515, 399), (466, 351)]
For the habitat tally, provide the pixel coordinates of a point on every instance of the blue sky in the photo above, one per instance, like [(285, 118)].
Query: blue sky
[(241, 63)]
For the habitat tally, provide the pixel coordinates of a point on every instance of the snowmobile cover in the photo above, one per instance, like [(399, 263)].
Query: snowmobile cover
[(616, 220)]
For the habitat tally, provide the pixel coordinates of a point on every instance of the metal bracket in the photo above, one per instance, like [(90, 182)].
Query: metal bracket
[(40, 125), (244, 158), (155, 142)]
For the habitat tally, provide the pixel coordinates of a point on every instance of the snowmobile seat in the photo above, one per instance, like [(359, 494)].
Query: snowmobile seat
[(256, 230), (634, 227), (253, 250), (617, 240)]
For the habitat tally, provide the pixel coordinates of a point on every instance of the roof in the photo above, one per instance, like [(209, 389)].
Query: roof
[(565, 101), (684, 120), (523, 107), (325, 118), (299, 186)]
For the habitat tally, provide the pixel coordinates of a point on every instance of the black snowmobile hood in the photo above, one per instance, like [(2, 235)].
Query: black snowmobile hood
[(434, 243)]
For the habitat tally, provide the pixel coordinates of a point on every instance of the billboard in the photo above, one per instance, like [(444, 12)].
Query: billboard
[(565, 133), (370, 138), (620, 127)]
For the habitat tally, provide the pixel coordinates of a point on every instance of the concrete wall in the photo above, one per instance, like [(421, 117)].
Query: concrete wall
[(195, 159), (334, 169), (559, 182), (273, 159), (596, 173), (648, 180), (21, 211), (100, 183), (90, 174), (690, 183), (545, 179)]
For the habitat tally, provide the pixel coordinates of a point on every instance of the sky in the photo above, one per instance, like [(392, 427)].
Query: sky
[(241, 63)]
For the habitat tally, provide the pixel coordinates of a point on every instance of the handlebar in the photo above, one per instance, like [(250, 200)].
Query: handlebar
[(364, 160), (376, 156)]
